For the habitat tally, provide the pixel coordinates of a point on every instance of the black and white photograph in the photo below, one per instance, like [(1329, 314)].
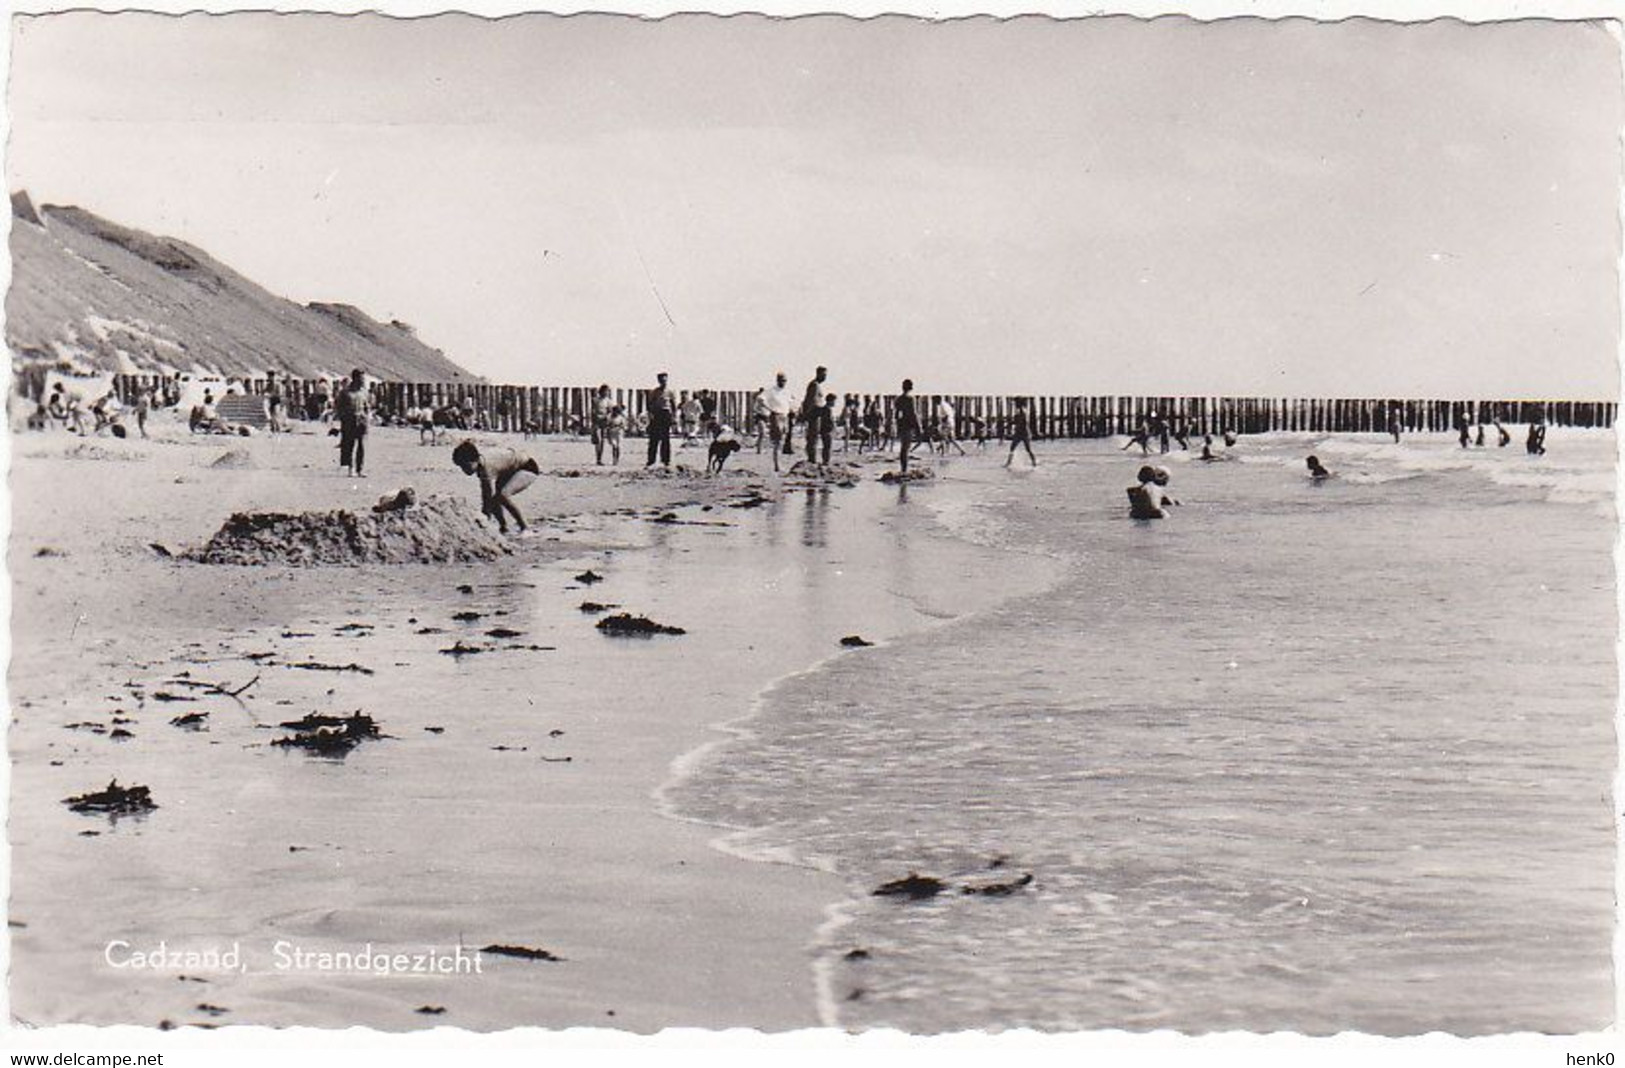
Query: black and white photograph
[(831, 525)]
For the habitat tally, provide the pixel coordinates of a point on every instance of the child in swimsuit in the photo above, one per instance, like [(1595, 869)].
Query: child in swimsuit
[(502, 474)]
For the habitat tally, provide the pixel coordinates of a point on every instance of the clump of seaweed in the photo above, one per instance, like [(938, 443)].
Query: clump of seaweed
[(116, 800), (332, 736), (521, 952), (624, 623)]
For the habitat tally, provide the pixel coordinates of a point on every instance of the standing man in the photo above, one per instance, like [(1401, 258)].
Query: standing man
[(812, 398), (778, 415), (908, 423), (812, 414), (273, 403), (759, 414), (662, 410), (352, 406)]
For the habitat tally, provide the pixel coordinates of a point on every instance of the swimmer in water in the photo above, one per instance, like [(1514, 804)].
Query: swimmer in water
[(1142, 438), (1316, 471), (1147, 500), (1229, 439), (502, 474)]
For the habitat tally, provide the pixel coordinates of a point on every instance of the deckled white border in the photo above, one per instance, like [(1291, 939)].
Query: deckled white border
[(257, 1046)]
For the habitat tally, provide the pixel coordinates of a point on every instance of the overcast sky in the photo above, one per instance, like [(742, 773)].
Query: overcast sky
[(1105, 205)]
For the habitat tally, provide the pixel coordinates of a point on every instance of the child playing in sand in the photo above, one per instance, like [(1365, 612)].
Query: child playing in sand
[(502, 474), (1316, 470), (1147, 500)]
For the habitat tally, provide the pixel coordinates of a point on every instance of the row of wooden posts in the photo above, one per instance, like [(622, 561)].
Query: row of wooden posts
[(563, 409)]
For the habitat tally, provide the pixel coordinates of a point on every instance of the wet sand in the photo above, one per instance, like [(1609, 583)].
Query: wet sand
[(515, 797)]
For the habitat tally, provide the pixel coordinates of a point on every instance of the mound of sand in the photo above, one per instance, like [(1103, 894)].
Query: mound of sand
[(438, 530), (805, 473), (87, 451), (235, 459)]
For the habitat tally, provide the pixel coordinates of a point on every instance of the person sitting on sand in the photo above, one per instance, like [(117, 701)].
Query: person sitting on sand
[(56, 406), (205, 419), (1147, 500), (1316, 470), (1208, 455), (1021, 434), (502, 474)]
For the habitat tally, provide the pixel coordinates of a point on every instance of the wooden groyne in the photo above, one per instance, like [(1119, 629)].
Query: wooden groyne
[(564, 409)]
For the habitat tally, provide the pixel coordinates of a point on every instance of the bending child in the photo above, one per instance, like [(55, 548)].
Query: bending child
[(503, 473)]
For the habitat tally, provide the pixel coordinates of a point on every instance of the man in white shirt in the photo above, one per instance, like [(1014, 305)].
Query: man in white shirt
[(780, 402), (945, 427)]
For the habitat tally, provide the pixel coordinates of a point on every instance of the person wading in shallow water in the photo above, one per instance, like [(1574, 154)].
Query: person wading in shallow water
[(1147, 500), (353, 406)]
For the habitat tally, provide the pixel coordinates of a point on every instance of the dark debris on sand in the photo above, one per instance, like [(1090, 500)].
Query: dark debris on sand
[(116, 800), (593, 607), (918, 474), (329, 735), (916, 887), (624, 623), (913, 886), (1000, 889), (316, 665), (521, 952), (504, 632), (854, 641), (587, 578)]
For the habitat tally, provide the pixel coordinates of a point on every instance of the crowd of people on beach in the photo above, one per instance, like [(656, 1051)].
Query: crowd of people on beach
[(349, 407)]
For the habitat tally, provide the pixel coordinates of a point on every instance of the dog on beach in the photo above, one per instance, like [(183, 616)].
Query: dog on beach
[(720, 450)]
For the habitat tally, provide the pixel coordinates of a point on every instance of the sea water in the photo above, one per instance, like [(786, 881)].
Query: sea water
[(1300, 756)]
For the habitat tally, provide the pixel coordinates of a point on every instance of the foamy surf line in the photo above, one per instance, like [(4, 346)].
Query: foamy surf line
[(887, 616)]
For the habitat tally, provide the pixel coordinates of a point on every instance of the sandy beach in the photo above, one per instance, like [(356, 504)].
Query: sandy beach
[(514, 799)]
